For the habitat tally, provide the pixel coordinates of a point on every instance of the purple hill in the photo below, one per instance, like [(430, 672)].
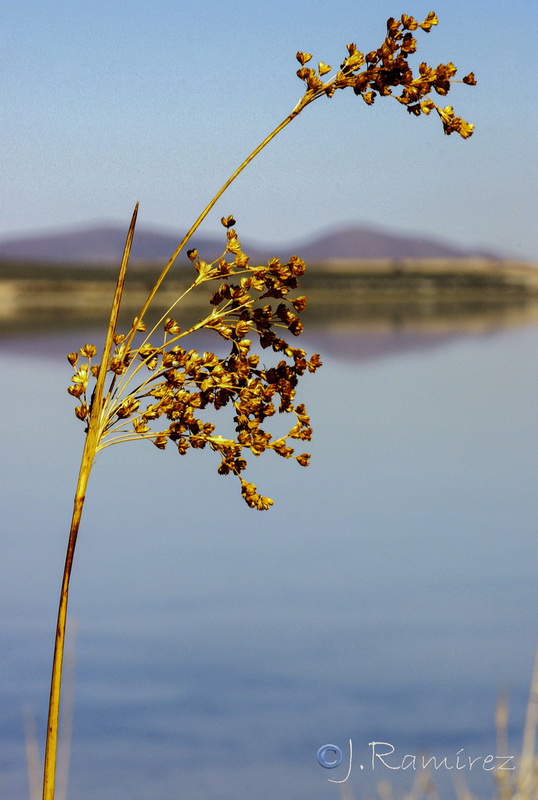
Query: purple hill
[(104, 244)]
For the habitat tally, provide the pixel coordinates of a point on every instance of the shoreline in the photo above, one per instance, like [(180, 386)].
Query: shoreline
[(375, 292)]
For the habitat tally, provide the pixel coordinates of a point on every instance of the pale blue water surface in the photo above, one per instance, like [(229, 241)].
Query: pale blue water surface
[(389, 595)]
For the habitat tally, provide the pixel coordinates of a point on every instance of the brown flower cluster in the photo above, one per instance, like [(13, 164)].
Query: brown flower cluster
[(167, 382), (387, 69)]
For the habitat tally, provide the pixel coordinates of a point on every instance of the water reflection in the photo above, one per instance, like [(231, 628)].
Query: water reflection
[(388, 595), (357, 331)]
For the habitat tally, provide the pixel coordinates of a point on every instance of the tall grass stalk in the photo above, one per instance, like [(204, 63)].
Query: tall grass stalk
[(181, 381)]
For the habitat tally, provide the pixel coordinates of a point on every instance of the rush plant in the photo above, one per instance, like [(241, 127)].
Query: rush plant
[(151, 384)]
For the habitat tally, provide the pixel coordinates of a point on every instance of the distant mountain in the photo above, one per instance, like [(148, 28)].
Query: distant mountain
[(100, 244), (360, 242), (104, 244)]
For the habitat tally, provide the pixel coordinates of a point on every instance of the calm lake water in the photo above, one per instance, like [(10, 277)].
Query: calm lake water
[(388, 596)]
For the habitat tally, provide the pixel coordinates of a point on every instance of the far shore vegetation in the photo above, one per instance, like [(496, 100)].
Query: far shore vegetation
[(439, 293)]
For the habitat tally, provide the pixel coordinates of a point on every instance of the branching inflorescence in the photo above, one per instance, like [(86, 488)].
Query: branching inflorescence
[(387, 68), (182, 383), (159, 390)]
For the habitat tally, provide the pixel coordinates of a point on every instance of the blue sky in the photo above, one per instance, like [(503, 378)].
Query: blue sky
[(107, 102)]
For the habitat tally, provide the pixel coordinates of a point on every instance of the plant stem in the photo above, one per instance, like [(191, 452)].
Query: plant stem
[(91, 444), (56, 679), (303, 102)]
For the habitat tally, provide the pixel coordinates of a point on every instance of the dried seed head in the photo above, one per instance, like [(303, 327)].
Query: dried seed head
[(251, 301), (81, 412), (303, 58), (88, 351), (171, 326), (388, 73)]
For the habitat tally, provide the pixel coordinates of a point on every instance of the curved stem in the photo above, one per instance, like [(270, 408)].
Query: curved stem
[(304, 101)]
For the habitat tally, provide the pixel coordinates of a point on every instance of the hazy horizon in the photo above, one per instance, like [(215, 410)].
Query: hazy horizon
[(158, 229)]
